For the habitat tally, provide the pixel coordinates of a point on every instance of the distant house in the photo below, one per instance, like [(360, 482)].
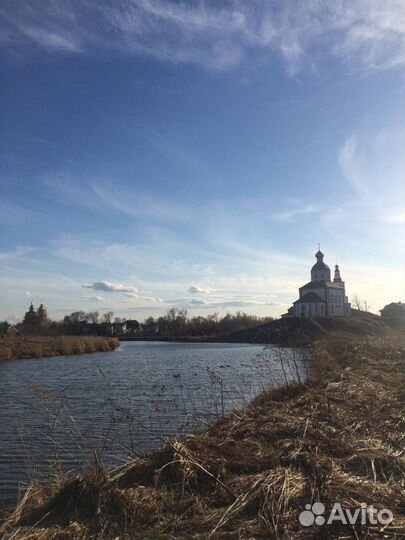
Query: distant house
[(395, 309), (321, 297), (118, 328), (133, 326)]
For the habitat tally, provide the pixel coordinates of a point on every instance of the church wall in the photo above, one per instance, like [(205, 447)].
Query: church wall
[(309, 309), (336, 298)]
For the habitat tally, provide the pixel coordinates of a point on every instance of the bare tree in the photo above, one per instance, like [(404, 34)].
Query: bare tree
[(361, 305), (357, 303), (107, 317), (92, 317)]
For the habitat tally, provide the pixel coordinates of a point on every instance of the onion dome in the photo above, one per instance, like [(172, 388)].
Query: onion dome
[(320, 271)]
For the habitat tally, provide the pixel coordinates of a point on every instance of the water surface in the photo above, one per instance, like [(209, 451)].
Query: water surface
[(123, 402)]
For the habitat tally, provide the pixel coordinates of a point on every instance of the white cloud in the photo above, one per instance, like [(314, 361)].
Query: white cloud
[(106, 286), (196, 289), (217, 36)]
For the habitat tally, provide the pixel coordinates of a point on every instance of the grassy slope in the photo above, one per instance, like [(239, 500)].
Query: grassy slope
[(38, 346), (302, 330), (338, 438)]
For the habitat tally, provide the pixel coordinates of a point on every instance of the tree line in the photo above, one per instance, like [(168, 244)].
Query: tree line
[(174, 323)]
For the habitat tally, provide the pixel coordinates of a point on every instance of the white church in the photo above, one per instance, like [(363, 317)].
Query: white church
[(321, 297)]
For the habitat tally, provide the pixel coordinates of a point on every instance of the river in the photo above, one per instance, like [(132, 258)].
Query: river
[(123, 402)]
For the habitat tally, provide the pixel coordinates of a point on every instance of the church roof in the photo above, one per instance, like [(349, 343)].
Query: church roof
[(311, 298), (320, 285)]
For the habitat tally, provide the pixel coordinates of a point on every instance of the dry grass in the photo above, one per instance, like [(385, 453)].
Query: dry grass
[(338, 438), (40, 346)]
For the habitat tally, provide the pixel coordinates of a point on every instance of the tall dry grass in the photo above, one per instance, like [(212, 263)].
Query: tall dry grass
[(336, 438), (13, 347)]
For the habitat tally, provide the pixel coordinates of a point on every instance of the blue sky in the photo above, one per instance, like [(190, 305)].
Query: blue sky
[(193, 154)]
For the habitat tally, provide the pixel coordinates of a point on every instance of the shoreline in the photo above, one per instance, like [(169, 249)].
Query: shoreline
[(184, 339), (24, 347), (338, 437)]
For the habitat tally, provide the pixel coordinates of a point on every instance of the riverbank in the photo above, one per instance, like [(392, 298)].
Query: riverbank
[(15, 347), (337, 438)]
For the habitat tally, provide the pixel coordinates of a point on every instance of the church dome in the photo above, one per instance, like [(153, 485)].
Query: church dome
[(320, 265), (320, 271)]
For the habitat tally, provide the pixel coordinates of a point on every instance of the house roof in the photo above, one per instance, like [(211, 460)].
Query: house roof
[(395, 304), (311, 298)]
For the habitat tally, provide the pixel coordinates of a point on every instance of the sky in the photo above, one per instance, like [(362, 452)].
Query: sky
[(158, 154)]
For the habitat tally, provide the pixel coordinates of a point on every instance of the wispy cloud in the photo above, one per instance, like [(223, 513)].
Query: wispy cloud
[(51, 40), (16, 214), (17, 253), (195, 303), (93, 298), (290, 214), (215, 35), (140, 205), (145, 298), (49, 28), (373, 164)]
